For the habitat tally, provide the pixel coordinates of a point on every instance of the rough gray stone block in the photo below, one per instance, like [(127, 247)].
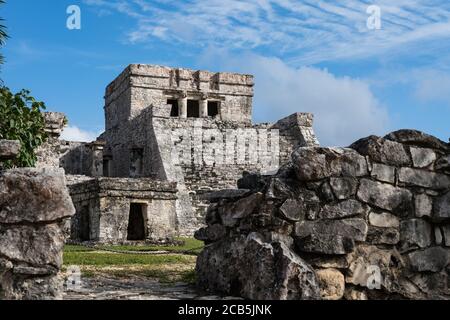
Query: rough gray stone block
[(9, 149), (431, 259), (256, 270), (317, 163), (383, 151), (353, 228), (441, 208), (378, 235), (325, 244), (291, 210), (415, 233), (344, 188), (346, 208), (422, 157), (50, 200), (383, 220), (385, 196), (416, 138), (424, 205), (383, 172), (422, 178)]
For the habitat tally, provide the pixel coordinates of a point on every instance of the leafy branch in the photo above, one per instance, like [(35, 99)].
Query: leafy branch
[(21, 119)]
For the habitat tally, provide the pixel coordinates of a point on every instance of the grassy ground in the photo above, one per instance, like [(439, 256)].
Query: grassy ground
[(167, 268)]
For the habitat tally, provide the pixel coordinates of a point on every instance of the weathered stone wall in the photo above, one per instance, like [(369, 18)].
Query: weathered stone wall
[(140, 86), (103, 207), (367, 222), (34, 205), (77, 158), (207, 155), (202, 154)]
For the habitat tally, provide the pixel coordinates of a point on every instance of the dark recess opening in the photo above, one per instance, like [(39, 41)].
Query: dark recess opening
[(106, 169), (174, 108), (193, 109), (213, 108), (136, 224), (85, 224)]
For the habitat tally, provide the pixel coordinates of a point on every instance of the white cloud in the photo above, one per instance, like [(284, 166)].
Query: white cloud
[(344, 108), (73, 133), (310, 31)]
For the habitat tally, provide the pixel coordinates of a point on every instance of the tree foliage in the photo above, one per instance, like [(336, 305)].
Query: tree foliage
[(3, 34), (21, 118)]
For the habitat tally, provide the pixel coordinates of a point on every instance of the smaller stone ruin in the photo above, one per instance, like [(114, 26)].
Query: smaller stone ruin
[(34, 207), (371, 221)]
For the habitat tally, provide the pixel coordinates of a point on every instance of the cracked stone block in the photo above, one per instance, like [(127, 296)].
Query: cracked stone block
[(344, 188), (50, 201), (291, 210), (383, 220), (421, 157), (233, 212), (441, 208), (383, 151), (346, 208), (423, 178), (415, 233), (317, 163), (9, 149), (416, 138), (446, 235), (353, 228), (438, 235), (325, 244), (424, 205), (431, 259), (211, 233), (385, 196), (377, 235), (383, 172)]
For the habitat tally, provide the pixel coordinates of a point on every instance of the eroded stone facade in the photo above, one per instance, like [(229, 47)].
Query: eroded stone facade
[(191, 128)]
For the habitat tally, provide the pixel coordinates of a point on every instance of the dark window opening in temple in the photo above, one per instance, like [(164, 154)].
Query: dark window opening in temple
[(193, 109), (106, 167), (85, 224), (213, 108), (136, 222), (174, 107)]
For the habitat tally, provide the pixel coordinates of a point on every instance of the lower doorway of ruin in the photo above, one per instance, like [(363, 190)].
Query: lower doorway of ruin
[(136, 222)]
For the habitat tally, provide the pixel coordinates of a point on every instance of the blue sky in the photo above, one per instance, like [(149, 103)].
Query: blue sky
[(312, 56)]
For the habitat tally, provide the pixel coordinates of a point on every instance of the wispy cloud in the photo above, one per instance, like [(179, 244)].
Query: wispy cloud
[(344, 108), (307, 31), (73, 133)]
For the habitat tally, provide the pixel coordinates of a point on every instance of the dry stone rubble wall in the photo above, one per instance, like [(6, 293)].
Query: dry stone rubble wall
[(370, 221)]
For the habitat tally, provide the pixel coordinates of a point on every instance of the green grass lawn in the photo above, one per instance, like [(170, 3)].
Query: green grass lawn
[(171, 267)]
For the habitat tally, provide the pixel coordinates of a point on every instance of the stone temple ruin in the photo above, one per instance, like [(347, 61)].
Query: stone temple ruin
[(282, 217), (171, 137)]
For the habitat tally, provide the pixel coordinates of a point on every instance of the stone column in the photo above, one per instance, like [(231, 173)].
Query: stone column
[(203, 108), (96, 169), (182, 105), (32, 233)]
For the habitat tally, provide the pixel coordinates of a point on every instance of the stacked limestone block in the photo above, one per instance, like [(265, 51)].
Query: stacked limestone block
[(371, 221), (34, 205)]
